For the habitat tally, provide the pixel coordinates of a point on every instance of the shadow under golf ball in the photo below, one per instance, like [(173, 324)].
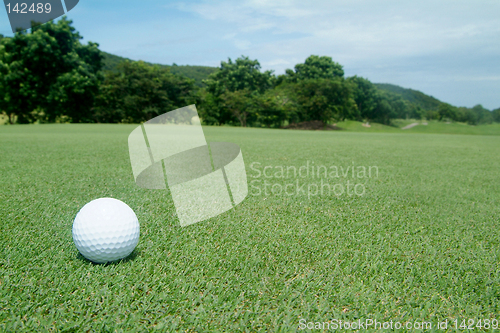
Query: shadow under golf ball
[(131, 257)]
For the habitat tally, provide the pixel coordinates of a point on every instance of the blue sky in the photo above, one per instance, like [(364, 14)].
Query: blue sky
[(447, 49)]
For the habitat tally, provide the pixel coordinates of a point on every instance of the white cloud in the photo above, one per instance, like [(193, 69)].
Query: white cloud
[(439, 47), (388, 40), (375, 29)]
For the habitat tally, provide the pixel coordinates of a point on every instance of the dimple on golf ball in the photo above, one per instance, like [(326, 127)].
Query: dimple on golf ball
[(105, 229)]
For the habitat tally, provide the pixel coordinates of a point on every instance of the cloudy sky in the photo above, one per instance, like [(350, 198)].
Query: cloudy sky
[(447, 49)]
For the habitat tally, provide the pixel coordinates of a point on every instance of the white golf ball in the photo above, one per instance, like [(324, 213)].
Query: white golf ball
[(105, 229)]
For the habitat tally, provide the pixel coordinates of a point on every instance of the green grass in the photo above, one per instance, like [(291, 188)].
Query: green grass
[(433, 126), (455, 128), (357, 126), (421, 244)]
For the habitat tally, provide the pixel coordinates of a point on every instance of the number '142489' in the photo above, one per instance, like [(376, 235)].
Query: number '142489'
[(22, 8), (472, 324)]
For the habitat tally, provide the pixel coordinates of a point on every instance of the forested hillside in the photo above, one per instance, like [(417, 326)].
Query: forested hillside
[(110, 61), (200, 73), (413, 96), (197, 73), (48, 75)]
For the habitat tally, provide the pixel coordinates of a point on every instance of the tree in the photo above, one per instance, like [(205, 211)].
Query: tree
[(431, 114), (138, 92), (218, 103), (496, 115), (210, 109), (447, 112), (484, 116), (384, 110), (400, 108), (276, 107), (365, 97), (466, 115), (380, 105), (241, 74), (325, 99), (239, 103), (319, 89), (48, 73), (315, 67)]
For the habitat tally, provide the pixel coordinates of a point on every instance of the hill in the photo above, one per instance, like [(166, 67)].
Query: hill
[(415, 97), (197, 73), (110, 61)]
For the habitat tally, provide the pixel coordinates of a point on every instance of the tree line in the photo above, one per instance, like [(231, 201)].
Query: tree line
[(48, 75)]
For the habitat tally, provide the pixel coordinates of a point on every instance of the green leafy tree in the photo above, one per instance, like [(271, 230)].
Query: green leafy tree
[(319, 91), (48, 74), (484, 116), (137, 92), (431, 114), (384, 111), (240, 103), (315, 67), (400, 108), (376, 105), (241, 74), (325, 99), (365, 96), (210, 109), (379, 105), (496, 115), (466, 115), (218, 103), (447, 112), (276, 107)]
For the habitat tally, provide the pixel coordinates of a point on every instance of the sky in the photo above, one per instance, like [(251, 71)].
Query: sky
[(446, 49)]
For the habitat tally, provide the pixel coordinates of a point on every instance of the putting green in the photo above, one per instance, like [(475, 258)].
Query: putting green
[(420, 244)]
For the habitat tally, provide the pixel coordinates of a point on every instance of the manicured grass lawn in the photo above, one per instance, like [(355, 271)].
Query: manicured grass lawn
[(433, 126), (421, 244), (357, 126), (456, 128)]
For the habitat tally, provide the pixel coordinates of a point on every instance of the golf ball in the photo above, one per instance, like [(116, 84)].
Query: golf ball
[(105, 229)]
